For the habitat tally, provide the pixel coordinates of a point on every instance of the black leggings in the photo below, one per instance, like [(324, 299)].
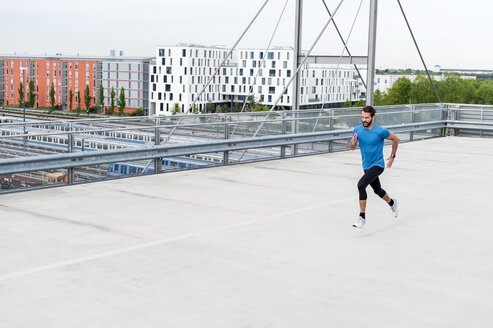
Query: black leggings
[(371, 178)]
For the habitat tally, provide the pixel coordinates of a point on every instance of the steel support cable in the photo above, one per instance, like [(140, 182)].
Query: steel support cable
[(250, 89), (419, 52), (345, 44), (295, 74), (219, 67), (340, 58)]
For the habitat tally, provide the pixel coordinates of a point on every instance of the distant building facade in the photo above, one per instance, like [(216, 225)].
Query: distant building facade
[(74, 73), (439, 69), (179, 73)]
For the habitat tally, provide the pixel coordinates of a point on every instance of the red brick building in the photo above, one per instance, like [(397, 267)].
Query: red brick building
[(73, 73)]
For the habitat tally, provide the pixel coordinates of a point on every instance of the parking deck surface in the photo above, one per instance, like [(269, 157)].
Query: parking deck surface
[(267, 244)]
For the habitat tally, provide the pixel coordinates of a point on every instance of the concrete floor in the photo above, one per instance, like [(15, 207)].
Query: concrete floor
[(266, 244)]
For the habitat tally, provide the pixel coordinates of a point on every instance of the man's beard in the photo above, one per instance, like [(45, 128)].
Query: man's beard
[(365, 124)]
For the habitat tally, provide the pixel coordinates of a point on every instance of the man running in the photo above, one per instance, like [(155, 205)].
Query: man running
[(371, 138)]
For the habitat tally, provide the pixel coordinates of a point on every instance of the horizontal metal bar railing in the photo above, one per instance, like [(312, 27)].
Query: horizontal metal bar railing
[(71, 160)]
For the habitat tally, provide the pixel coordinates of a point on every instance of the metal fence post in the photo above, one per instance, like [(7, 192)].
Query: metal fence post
[(411, 134), (455, 117), (331, 127), (226, 136), (157, 141), (283, 131), (70, 170), (482, 118)]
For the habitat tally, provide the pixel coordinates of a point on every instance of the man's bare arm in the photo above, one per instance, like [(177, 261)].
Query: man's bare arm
[(353, 142), (395, 143)]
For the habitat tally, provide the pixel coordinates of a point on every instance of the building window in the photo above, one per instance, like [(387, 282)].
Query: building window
[(272, 72), (270, 55), (184, 52), (272, 90)]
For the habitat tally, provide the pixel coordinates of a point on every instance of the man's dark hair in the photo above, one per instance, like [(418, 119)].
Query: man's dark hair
[(369, 109)]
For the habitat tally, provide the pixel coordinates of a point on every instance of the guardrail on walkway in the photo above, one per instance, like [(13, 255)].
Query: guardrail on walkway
[(228, 135)]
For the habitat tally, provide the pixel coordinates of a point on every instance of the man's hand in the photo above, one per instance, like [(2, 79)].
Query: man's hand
[(353, 142), (390, 161)]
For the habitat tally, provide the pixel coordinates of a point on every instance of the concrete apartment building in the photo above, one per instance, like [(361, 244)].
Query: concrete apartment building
[(178, 74), (75, 73)]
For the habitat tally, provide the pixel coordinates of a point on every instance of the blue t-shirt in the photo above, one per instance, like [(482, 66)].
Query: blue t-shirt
[(371, 145)]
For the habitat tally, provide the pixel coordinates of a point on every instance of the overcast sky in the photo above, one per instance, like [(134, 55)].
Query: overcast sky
[(450, 33)]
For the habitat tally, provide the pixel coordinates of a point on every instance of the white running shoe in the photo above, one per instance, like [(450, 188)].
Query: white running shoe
[(394, 208), (360, 223)]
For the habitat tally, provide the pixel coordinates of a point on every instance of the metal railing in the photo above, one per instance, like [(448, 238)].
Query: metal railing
[(218, 139)]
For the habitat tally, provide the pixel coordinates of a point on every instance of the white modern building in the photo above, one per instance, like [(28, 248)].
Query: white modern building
[(179, 73)]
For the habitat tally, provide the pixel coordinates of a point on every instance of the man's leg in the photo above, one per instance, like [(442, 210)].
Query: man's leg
[(362, 206), (369, 176), (377, 188)]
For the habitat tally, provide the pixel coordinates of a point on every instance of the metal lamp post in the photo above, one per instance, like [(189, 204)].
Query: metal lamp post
[(23, 69)]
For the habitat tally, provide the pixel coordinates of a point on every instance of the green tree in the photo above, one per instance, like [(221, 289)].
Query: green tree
[(360, 103), (121, 101), (112, 101), (379, 98), (484, 93), (421, 91), (470, 87), (236, 107), (195, 109), (176, 109), (256, 108), (87, 98), (21, 94), (209, 107), (400, 92), (347, 103), (70, 99), (52, 97), (219, 109), (31, 97), (451, 89), (101, 97), (78, 103)]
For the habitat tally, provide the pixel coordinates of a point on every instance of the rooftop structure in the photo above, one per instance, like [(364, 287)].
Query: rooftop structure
[(260, 244), (180, 73), (74, 73)]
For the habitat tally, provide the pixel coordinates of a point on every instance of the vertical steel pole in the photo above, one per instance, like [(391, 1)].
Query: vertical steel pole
[(157, 141), (331, 127), (283, 131), (296, 60), (372, 41), (70, 171), (226, 136), (411, 134)]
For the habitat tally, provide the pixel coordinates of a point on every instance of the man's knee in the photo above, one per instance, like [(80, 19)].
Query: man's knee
[(380, 192), (361, 185)]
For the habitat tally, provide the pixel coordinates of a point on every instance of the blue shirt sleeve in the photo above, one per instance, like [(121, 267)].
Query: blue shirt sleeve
[(385, 133), (356, 129)]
